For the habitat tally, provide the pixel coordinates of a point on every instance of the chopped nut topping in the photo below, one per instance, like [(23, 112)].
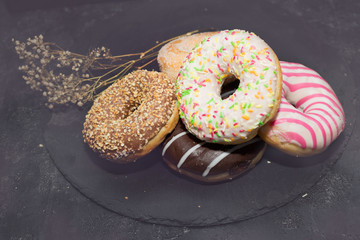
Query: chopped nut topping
[(127, 114)]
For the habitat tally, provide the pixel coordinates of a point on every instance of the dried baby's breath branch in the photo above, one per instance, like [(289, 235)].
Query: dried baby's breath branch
[(65, 77)]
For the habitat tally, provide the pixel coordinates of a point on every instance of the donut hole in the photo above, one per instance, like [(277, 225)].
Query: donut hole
[(300, 109), (131, 107), (230, 84), (293, 102)]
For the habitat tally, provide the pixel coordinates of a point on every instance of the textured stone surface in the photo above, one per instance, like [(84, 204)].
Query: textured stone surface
[(36, 202), (150, 192)]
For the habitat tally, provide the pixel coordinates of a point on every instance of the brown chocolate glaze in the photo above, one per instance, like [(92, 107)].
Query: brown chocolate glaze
[(129, 114), (197, 164)]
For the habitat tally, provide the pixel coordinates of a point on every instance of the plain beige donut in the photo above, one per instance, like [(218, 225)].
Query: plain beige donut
[(172, 55)]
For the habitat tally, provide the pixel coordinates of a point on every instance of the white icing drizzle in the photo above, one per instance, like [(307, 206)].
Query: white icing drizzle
[(167, 145), (187, 154), (225, 154)]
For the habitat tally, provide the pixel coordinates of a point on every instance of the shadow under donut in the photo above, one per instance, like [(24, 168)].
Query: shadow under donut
[(274, 155), (140, 164)]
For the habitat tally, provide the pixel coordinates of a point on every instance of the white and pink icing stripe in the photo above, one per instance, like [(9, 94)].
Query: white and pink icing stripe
[(310, 114)]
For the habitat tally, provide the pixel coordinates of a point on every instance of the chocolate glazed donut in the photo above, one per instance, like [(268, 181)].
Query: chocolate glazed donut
[(209, 162)]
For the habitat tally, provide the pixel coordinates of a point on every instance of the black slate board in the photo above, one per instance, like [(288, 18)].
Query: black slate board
[(149, 191), (157, 195)]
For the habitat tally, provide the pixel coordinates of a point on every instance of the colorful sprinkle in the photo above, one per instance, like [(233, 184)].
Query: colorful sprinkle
[(227, 54)]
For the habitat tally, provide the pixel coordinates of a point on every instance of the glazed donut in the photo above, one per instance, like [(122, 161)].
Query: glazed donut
[(131, 117), (310, 116), (237, 118), (172, 55), (209, 162)]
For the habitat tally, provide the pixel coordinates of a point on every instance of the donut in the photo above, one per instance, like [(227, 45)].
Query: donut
[(172, 55), (209, 162), (236, 119), (310, 116), (132, 116)]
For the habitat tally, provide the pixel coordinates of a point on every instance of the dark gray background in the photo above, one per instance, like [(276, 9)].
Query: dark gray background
[(36, 202)]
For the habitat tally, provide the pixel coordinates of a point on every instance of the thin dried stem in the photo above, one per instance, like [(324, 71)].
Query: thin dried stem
[(65, 77)]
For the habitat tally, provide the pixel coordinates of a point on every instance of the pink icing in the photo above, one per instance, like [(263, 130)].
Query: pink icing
[(327, 124), (298, 86), (310, 118), (326, 113), (321, 103), (301, 123), (293, 136), (315, 108), (319, 95), (293, 67), (295, 74)]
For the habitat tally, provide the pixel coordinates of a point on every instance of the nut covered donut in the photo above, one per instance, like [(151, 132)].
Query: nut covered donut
[(209, 162), (132, 116), (237, 118), (310, 116)]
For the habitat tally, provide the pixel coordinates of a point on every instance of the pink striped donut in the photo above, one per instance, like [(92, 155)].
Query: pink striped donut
[(310, 116)]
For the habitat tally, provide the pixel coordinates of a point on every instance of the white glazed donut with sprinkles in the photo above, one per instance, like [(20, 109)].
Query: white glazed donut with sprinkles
[(237, 118), (310, 116)]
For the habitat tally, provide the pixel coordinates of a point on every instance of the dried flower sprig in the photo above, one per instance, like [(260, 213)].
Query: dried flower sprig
[(65, 77)]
